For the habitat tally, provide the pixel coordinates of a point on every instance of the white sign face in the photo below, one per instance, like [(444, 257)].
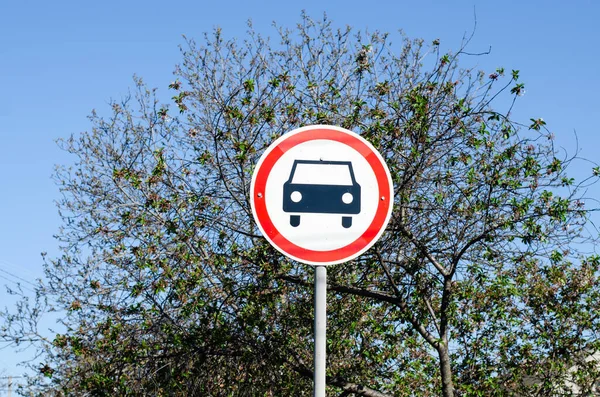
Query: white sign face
[(321, 195)]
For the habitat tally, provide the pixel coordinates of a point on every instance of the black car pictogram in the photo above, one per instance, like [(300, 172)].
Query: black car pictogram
[(321, 187)]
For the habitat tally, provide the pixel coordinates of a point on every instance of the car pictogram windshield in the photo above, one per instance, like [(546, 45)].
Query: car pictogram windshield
[(322, 174)]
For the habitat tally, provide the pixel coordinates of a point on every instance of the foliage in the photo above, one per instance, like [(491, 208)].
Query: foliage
[(477, 288)]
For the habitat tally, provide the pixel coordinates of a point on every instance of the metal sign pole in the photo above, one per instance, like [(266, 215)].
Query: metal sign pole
[(320, 330)]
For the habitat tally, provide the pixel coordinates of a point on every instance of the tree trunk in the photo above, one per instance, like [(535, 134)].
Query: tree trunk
[(446, 371)]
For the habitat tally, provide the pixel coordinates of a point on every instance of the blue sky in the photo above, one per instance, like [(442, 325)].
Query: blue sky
[(61, 59)]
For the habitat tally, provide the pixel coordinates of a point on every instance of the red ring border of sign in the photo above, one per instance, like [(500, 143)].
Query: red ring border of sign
[(305, 134)]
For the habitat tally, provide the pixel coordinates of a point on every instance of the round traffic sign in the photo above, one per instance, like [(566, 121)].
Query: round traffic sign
[(321, 195)]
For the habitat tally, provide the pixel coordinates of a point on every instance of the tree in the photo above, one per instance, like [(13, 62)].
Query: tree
[(479, 286)]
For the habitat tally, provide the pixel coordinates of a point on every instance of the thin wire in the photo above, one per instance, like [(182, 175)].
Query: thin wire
[(17, 277), (19, 269), (18, 283)]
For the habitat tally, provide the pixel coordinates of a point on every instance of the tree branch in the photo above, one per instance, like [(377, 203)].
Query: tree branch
[(347, 387), (375, 295), (420, 246), (358, 390)]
